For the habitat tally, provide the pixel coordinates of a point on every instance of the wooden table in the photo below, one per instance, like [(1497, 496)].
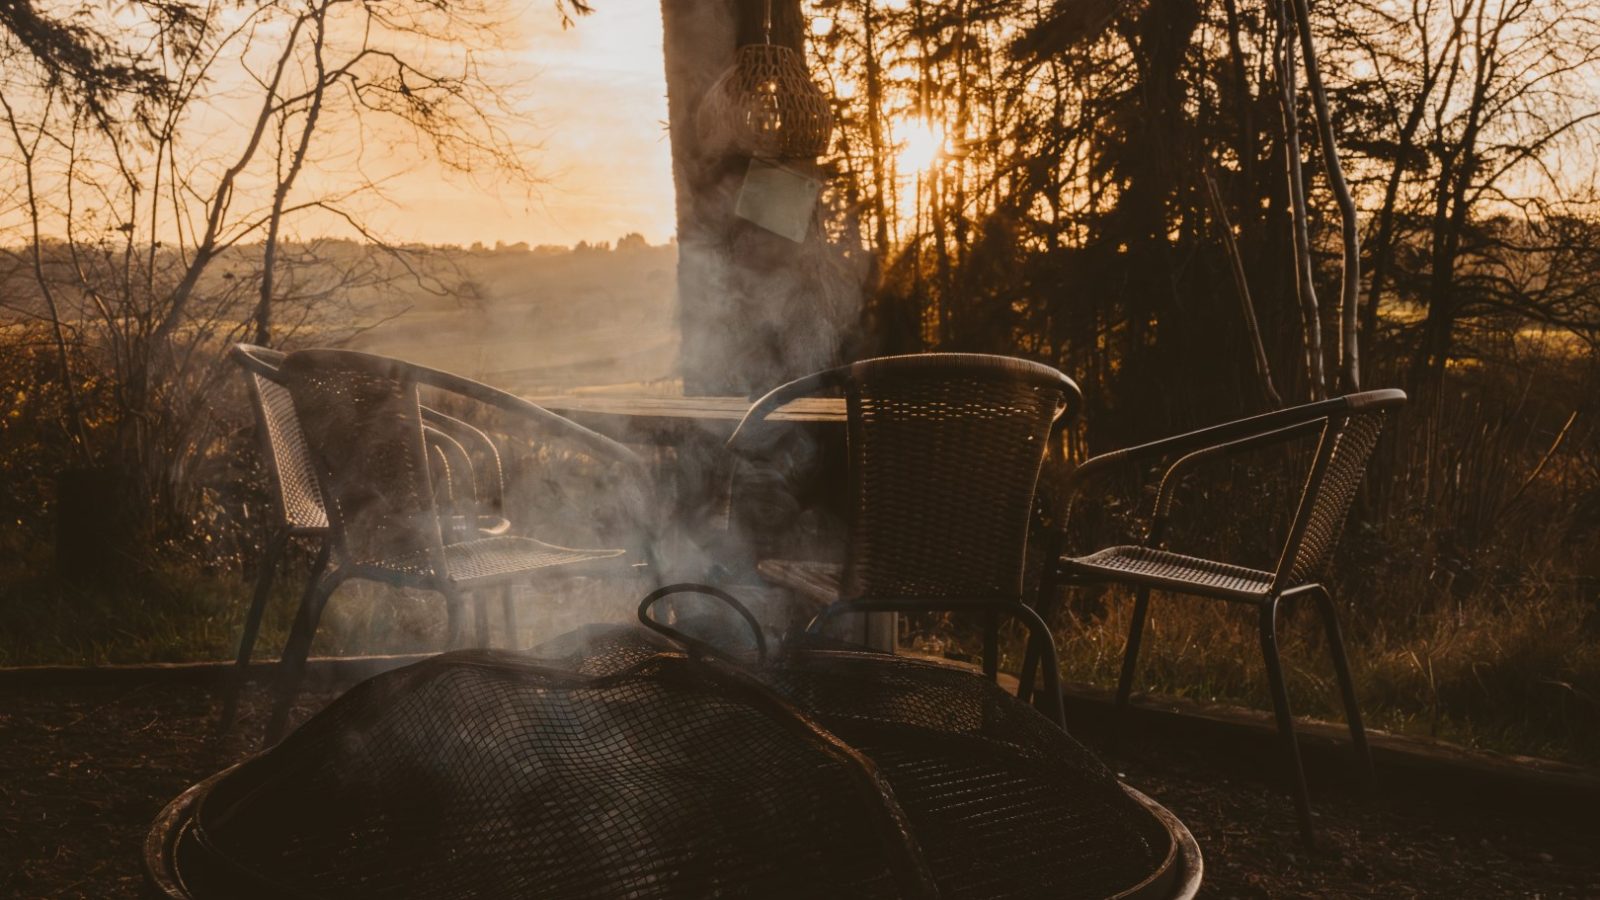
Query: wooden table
[(642, 419), (699, 473)]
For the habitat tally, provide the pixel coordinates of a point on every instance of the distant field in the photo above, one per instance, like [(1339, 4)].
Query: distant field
[(544, 322), (531, 321)]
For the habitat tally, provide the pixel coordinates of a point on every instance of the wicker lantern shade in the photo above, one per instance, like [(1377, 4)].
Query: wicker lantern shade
[(768, 106)]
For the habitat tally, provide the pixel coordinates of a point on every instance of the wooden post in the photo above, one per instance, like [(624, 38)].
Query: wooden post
[(755, 308)]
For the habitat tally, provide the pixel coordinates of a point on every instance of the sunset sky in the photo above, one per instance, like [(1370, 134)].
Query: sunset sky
[(599, 109)]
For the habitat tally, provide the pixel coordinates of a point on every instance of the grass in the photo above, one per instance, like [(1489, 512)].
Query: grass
[(1512, 667), (1516, 675), (185, 614)]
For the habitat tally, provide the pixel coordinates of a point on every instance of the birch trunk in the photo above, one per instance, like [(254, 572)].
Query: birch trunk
[(1349, 233), (1305, 287)]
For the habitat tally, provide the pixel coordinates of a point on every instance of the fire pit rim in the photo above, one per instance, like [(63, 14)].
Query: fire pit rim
[(1177, 878)]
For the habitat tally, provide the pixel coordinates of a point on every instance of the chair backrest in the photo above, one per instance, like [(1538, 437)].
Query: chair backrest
[(362, 419), (945, 451), (1354, 423), (283, 444)]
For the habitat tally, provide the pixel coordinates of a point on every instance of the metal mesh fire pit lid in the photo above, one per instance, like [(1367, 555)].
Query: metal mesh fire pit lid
[(615, 767)]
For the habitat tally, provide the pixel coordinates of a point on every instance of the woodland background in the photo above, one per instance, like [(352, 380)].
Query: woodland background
[(1120, 207)]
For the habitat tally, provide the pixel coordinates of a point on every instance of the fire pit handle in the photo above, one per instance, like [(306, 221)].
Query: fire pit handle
[(694, 645)]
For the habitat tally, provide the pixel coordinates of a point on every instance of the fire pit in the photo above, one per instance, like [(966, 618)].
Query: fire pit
[(611, 764)]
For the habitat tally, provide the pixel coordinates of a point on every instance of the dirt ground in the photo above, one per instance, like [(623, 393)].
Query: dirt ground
[(84, 770)]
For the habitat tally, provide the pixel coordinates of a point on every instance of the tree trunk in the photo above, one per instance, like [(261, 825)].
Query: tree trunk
[(1305, 275), (1242, 285), (280, 193), (1350, 240), (755, 308)]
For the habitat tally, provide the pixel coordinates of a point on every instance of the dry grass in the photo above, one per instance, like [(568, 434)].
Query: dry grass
[(1511, 671), (1510, 664), (1519, 679), (183, 615)]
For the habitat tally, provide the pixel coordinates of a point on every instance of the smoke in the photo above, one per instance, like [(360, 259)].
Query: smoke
[(755, 309)]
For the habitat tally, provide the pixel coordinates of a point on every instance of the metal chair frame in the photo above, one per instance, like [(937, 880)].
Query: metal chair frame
[(1322, 504), (858, 383), (298, 511), (433, 570)]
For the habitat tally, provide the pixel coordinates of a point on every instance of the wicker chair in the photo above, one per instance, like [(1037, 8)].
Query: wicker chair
[(945, 451), (1344, 431), (298, 512), (363, 424)]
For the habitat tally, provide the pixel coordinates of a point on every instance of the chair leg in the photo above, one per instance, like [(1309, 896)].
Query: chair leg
[(252, 626), (1039, 633), (1341, 667), (1030, 671), (1045, 604), (480, 619), (455, 621), (1280, 708), (292, 667), (1031, 655), (508, 606), (991, 645), (814, 627), (1130, 654), (831, 611)]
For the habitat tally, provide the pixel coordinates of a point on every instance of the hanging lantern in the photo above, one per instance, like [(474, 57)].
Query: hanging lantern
[(767, 105)]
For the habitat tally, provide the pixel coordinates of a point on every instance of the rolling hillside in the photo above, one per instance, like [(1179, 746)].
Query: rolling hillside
[(543, 321)]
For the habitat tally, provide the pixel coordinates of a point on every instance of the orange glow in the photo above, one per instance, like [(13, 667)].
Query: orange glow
[(920, 145)]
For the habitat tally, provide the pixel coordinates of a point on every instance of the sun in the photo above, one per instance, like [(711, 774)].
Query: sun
[(921, 145)]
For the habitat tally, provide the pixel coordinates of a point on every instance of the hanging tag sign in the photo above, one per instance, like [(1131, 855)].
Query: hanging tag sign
[(778, 199)]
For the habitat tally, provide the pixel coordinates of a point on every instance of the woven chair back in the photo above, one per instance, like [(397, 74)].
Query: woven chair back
[(293, 476), (1336, 475), (363, 423), (945, 452)]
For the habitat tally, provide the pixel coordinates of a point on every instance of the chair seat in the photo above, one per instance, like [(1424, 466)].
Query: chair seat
[(817, 582), (493, 558), (1173, 571)]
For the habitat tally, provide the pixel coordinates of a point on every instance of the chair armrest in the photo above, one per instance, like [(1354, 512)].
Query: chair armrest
[(1171, 477), (646, 509), (265, 361), (598, 444), (746, 434), (258, 360), (1192, 447), (1227, 432)]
